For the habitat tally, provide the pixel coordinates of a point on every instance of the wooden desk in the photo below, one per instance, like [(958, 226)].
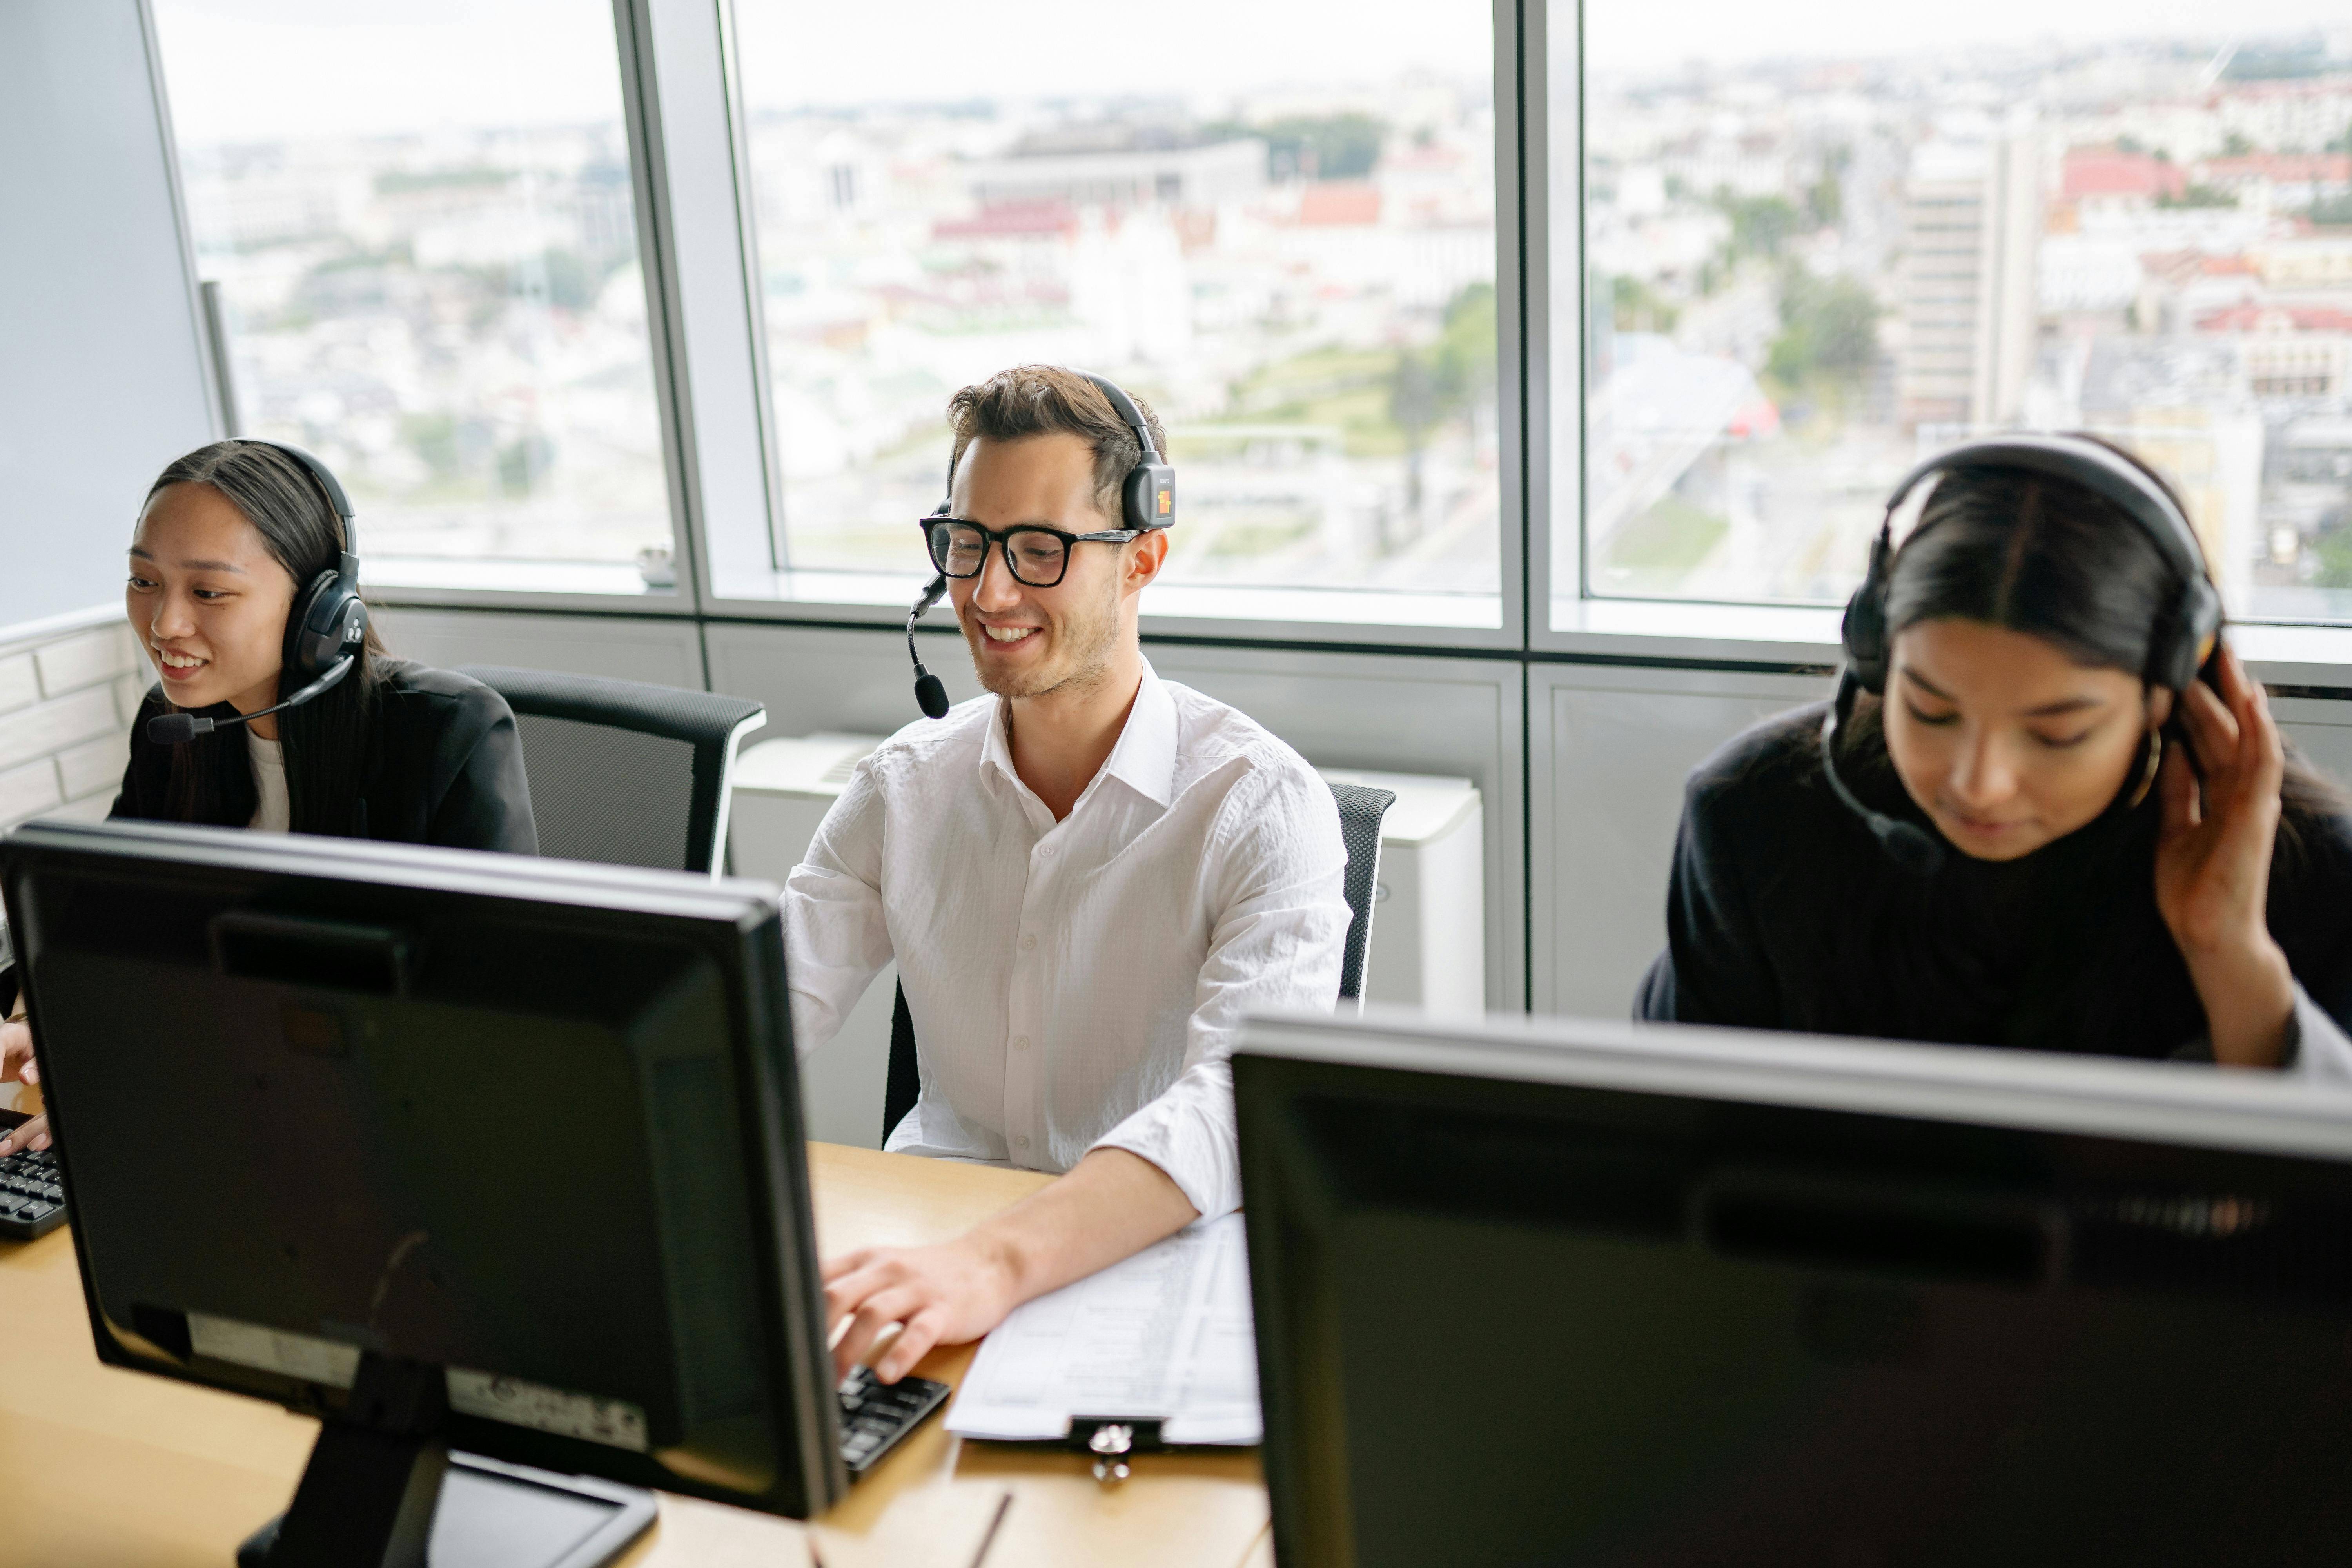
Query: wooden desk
[(111, 1469)]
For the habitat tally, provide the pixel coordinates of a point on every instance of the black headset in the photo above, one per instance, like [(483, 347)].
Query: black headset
[(2183, 638), (325, 630), (1146, 501)]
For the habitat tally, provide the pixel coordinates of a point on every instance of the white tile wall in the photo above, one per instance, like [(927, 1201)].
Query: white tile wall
[(66, 706)]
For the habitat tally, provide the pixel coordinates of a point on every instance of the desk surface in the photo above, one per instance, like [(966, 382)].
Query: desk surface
[(112, 1469)]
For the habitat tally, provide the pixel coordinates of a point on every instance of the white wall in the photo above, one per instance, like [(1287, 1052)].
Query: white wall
[(665, 652), (1612, 746), (102, 375), (69, 691)]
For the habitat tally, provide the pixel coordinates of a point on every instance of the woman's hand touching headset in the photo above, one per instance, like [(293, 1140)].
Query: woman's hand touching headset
[(2213, 864)]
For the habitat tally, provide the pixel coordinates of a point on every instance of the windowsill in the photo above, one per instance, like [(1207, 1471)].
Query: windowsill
[(613, 579), (1782, 635), (49, 628), (1692, 632), (1168, 607)]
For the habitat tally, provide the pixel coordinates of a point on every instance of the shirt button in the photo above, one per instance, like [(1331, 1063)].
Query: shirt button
[(1022, 1141), (1027, 942), (1046, 850), (1021, 1044)]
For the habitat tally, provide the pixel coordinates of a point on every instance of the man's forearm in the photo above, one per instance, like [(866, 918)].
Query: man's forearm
[(1110, 1205)]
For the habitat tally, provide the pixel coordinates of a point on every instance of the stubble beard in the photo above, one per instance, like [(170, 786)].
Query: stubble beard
[(1087, 643)]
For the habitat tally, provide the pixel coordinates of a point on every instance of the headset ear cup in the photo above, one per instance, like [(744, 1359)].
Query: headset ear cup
[(1148, 499), (2191, 637), (1863, 629), (300, 627)]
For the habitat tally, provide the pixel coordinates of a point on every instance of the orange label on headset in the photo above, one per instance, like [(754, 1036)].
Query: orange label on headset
[(1165, 498)]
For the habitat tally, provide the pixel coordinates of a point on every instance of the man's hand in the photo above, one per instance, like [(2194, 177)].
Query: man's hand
[(1110, 1205), (17, 1066), (950, 1294)]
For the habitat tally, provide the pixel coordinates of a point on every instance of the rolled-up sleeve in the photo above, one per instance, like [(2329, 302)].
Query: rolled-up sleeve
[(1275, 877), (835, 938)]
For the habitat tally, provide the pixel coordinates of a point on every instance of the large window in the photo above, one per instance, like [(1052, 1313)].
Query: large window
[(419, 215), (1275, 219), (1822, 241)]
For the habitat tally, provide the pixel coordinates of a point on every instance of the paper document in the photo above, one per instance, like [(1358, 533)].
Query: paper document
[(1165, 1333)]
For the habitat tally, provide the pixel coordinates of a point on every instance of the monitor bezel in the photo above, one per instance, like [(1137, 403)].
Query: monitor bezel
[(760, 1051)]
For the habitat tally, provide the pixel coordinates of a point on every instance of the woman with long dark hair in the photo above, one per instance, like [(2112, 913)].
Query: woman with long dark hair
[(2048, 813), (231, 540)]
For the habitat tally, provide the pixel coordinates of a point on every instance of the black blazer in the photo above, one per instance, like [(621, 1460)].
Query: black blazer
[(443, 767), (1783, 912)]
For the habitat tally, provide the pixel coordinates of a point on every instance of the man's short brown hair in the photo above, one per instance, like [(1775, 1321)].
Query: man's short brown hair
[(1035, 399)]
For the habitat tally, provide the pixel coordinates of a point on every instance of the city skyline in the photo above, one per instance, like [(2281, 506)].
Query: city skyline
[(1803, 271)]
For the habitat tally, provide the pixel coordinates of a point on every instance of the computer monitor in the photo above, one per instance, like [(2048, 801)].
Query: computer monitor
[(1596, 1294), (452, 1150)]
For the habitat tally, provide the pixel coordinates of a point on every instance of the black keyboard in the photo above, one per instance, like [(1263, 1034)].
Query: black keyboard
[(32, 1189), (875, 1415)]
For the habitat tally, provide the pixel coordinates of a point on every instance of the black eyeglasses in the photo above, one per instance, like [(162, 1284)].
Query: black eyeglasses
[(1036, 555)]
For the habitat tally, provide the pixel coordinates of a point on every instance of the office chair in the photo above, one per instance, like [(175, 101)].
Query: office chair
[(623, 773), (1360, 811)]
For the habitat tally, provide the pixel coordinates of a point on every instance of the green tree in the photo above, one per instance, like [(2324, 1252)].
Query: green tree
[(1447, 380), (1829, 330), (1634, 307), (1826, 198), (1761, 225)]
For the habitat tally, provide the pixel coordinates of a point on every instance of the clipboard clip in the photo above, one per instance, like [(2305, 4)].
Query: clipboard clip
[(1113, 1440)]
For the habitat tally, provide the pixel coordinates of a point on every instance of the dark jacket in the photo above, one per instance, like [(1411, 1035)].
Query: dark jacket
[(443, 767), (1784, 913)]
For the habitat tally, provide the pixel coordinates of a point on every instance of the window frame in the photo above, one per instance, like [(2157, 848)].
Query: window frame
[(1511, 380)]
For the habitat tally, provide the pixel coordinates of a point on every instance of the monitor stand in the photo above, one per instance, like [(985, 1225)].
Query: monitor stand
[(370, 1500)]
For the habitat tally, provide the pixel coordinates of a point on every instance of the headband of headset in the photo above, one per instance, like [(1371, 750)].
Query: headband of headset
[(1148, 493), (2182, 640), (328, 618)]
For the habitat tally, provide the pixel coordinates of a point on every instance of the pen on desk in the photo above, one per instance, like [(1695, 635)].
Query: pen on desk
[(996, 1522)]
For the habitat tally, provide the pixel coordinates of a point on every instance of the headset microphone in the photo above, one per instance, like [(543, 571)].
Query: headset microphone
[(172, 728), (1913, 848), (929, 694)]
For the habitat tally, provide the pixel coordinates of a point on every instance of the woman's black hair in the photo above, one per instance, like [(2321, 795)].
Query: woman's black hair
[(2040, 554), (326, 738)]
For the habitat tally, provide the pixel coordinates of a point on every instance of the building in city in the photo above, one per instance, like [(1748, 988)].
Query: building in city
[(1971, 226)]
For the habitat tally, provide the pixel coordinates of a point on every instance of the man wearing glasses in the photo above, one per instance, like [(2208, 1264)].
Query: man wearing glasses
[(1086, 878)]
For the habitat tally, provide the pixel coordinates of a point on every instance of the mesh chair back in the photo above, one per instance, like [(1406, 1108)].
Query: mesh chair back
[(1360, 811), (623, 773)]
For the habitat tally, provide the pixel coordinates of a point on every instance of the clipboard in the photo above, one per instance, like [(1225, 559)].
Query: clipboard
[(1153, 1354)]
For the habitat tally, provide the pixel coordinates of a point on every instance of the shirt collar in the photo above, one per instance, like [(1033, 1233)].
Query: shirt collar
[(1145, 758)]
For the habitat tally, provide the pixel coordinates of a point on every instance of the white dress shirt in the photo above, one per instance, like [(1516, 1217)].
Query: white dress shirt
[(1076, 984)]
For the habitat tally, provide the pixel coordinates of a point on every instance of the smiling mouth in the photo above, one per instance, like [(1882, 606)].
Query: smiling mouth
[(1008, 634), (179, 661)]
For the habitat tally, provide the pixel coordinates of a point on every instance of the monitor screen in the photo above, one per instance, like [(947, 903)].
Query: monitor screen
[(1660, 1298), (529, 1125)]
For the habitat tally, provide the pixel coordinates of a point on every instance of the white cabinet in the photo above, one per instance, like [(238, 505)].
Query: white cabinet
[(1612, 745)]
